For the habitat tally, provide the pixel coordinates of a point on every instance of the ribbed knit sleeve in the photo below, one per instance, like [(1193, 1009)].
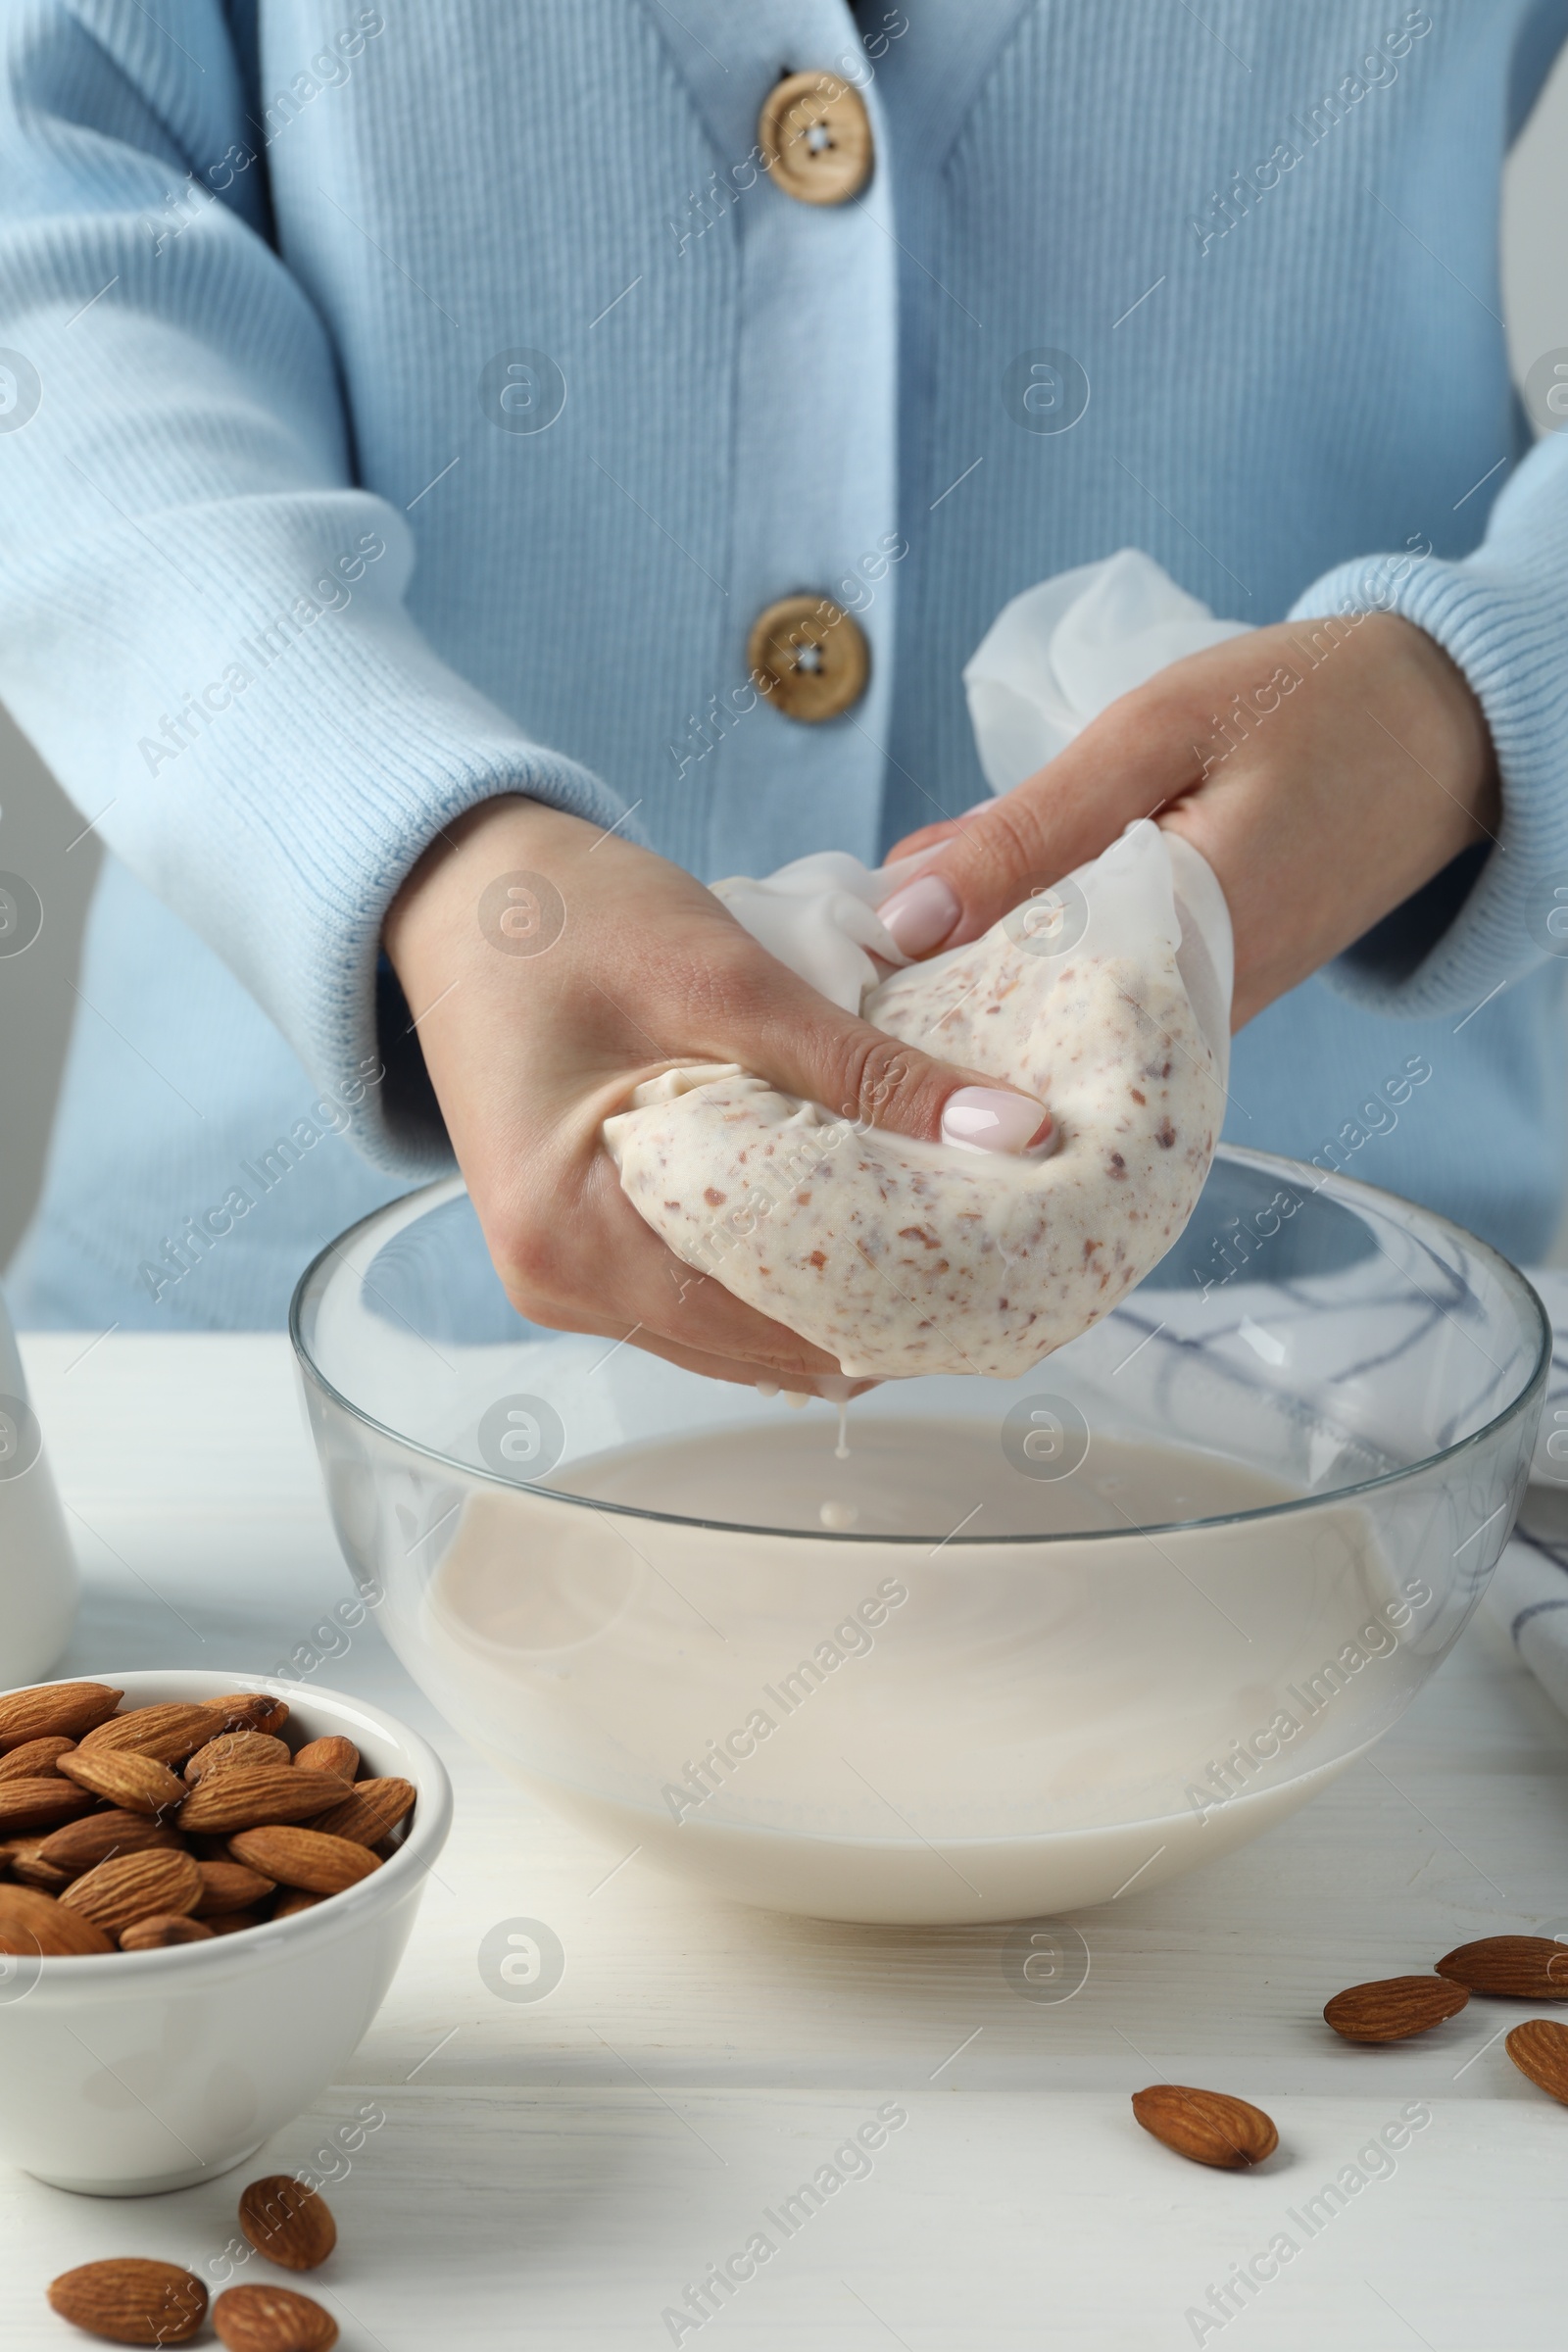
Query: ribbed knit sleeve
[(1502, 615), (201, 619)]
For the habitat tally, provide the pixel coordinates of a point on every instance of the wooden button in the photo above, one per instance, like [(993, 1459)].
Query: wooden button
[(809, 657), (816, 138)]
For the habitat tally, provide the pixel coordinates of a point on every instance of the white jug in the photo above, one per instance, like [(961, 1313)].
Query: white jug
[(38, 1581)]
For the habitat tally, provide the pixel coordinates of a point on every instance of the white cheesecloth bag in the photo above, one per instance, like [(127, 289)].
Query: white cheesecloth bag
[(1108, 998)]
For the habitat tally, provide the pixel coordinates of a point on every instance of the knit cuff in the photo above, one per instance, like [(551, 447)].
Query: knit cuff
[(1471, 930)]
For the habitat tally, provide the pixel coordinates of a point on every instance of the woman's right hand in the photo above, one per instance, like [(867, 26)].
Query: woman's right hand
[(539, 1012)]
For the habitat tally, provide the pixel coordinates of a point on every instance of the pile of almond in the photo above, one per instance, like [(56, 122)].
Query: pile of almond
[(134, 2301), (173, 1824)]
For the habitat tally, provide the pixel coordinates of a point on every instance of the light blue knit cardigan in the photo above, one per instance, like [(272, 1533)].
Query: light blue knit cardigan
[(283, 587)]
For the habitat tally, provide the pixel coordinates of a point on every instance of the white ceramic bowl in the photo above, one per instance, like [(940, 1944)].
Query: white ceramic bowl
[(129, 2073)]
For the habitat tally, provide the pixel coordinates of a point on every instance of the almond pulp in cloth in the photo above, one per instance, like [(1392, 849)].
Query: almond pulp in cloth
[(1108, 1001)]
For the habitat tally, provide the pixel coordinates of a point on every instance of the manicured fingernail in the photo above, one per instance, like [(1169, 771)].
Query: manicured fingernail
[(982, 1119), (920, 914)]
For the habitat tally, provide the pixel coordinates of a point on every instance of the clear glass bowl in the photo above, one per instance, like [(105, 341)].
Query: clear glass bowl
[(1034, 1641)]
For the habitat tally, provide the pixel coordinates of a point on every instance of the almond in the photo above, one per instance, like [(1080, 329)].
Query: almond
[(1510, 1968), (131, 2302), (133, 1887), (124, 1778), (287, 2221), (1208, 2126), (161, 1929), (237, 1747), (170, 1732), (272, 2319), (69, 1708), (229, 1886), (28, 1869), (1395, 2008), (376, 1807), (82, 1845), (35, 1759), (331, 1754), (31, 1923), (40, 1804), (230, 1923), (1540, 2049), (244, 1797), (294, 1900), (252, 1710), (322, 1865)]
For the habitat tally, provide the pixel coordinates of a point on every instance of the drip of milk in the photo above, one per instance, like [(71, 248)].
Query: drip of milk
[(837, 1516)]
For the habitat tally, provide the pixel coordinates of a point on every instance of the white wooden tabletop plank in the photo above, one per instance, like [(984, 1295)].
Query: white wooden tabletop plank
[(556, 2172), (543, 2218)]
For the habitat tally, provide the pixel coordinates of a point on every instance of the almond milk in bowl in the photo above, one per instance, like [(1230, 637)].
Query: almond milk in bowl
[(993, 1649)]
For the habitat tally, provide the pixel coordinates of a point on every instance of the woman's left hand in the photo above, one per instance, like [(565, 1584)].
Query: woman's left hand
[(1326, 770)]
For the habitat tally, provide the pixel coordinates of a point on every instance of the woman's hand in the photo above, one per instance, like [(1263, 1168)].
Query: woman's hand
[(1326, 770), (551, 969)]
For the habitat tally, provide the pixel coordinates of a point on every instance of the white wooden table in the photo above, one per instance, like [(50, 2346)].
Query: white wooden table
[(559, 2173)]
